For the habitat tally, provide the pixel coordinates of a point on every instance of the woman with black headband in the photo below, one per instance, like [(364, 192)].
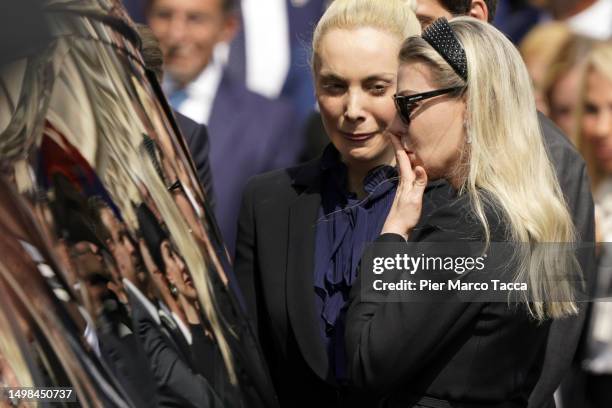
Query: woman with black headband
[(473, 173)]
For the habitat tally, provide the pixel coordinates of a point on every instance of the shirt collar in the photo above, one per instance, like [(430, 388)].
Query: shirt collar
[(146, 303), (206, 83)]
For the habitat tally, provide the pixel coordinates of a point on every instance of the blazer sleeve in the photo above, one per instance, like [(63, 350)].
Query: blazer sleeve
[(245, 265), (388, 342)]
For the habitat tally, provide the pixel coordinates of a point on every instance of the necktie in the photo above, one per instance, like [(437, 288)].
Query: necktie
[(178, 97)]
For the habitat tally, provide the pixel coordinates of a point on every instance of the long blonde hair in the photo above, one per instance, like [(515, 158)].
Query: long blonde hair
[(507, 158), (392, 16), (193, 257), (599, 60)]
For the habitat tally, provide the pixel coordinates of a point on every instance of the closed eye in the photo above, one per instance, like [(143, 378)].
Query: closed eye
[(333, 87)]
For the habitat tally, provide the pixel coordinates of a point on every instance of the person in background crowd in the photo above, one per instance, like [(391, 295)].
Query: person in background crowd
[(301, 230), (591, 18), (561, 87), (540, 47), (272, 51), (270, 54), (196, 135), (592, 380), (461, 87), (516, 18), (249, 134)]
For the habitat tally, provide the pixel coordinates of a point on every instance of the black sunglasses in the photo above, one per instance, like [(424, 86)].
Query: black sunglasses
[(405, 104)]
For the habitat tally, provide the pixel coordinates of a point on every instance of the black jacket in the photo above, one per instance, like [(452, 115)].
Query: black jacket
[(274, 266), (457, 348), (565, 334)]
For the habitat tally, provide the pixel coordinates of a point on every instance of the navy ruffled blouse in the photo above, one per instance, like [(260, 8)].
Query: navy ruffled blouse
[(345, 225)]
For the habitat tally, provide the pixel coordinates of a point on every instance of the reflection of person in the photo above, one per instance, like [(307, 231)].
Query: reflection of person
[(257, 133), (297, 272), (457, 108), (167, 261), (572, 176), (177, 384), (168, 353)]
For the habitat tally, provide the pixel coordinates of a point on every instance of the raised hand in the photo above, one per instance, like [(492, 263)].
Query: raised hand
[(406, 209)]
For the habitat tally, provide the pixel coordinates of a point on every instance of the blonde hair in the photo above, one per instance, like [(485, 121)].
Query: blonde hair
[(392, 16), (506, 156), (599, 60), (121, 164), (571, 57), (194, 259), (544, 42)]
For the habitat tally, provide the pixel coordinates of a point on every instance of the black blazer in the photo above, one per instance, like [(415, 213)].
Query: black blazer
[(565, 334), (274, 266), (177, 384), (467, 353)]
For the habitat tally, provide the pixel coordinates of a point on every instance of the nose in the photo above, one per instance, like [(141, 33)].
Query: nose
[(130, 247), (397, 126), (603, 127), (354, 106), (177, 29)]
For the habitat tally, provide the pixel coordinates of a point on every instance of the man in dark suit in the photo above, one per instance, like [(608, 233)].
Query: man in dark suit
[(249, 133), (571, 173)]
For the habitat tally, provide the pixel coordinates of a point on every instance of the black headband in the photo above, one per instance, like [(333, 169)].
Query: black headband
[(441, 37)]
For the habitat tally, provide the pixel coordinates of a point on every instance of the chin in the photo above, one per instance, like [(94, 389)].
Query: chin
[(362, 154), (371, 149)]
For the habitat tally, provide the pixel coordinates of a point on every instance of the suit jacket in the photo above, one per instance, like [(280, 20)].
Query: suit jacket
[(177, 384), (249, 134), (196, 137), (274, 266), (457, 350), (565, 334)]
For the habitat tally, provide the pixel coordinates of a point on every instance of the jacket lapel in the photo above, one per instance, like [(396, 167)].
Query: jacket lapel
[(300, 280)]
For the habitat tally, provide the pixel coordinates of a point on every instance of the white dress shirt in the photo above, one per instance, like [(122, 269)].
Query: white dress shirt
[(200, 93), (595, 21), (268, 54)]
